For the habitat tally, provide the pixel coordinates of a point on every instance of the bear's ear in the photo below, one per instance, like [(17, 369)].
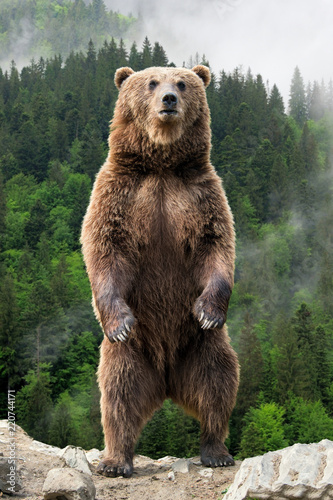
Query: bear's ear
[(121, 75), (203, 72)]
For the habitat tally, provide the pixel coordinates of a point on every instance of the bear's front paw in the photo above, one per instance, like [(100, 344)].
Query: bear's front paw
[(208, 316), (120, 332)]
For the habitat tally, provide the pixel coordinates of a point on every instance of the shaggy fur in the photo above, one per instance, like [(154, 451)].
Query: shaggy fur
[(158, 243)]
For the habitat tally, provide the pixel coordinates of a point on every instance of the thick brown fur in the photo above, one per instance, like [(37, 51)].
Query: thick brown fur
[(159, 247)]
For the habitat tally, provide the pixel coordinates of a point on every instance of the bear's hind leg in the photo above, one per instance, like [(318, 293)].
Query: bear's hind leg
[(130, 393), (205, 383)]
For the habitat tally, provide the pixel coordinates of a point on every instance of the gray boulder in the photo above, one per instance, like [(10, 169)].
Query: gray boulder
[(181, 465), (75, 457), (300, 471), (68, 484)]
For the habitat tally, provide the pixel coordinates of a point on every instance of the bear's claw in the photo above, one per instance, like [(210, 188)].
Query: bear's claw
[(110, 469), (121, 333), (223, 461), (207, 322)]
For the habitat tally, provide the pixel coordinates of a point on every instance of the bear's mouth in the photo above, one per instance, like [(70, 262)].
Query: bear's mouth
[(168, 112)]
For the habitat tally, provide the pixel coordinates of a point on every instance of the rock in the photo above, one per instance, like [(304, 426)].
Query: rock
[(75, 457), (10, 482), (68, 484), (206, 472), (44, 448), (171, 476), (300, 471), (181, 465), (166, 460), (94, 455)]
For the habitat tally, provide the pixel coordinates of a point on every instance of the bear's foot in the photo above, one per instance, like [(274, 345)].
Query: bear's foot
[(216, 456), (110, 468)]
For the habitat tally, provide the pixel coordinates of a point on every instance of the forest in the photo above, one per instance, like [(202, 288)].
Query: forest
[(276, 167), (44, 28)]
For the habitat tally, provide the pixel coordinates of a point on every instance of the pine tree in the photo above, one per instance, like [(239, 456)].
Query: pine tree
[(122, 56), (278, 187), (91, 57), (297, 100), (159, 57), (251, 363), (288, 365), (317, 102), (303, 327), (134, 59), (34, 404), (275, 101), (323, 365), (147, 54)]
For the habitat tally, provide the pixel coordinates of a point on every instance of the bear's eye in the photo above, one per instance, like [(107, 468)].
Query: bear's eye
[(153, 84), (181, 85)]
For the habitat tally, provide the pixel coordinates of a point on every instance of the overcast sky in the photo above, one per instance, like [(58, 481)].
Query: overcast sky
[(270, 37)]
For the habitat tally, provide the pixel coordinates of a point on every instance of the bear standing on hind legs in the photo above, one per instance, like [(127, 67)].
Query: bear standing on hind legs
[(158, 243)]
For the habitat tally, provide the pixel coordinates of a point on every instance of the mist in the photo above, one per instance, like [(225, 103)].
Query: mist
[(270, 38)]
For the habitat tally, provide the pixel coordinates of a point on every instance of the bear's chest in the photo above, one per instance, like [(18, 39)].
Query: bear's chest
[(166, 214)]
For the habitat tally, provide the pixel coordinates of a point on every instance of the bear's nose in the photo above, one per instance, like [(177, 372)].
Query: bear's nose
[(169, 99)]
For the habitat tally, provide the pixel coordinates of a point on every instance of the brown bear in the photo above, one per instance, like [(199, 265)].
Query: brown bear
[(159, 247)]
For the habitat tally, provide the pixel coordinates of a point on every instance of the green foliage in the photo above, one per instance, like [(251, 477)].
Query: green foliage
[(307, 421), (170, 432), (62, 430), (263, 430), (34, 404)]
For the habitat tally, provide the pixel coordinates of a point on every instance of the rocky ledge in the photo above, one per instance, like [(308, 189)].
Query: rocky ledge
[(44, 472)]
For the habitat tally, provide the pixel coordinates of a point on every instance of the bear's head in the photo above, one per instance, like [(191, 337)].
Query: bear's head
[(163, 104)]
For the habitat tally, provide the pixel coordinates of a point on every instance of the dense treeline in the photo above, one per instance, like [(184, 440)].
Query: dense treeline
[(276, 169), (34, 28)]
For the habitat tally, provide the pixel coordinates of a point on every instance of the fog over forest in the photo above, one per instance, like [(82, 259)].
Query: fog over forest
[(269, 37)]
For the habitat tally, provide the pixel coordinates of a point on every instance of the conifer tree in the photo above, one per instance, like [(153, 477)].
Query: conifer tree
[(275, 101), (251, 363), (323, 365), (91, 58), (297, 100), (122, 59), (34, 404), (147, 54), (159, 57), (317, 102), (303, 327), (134, 59)]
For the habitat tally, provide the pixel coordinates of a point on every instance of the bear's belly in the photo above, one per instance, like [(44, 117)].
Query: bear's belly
[(164, 287)]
